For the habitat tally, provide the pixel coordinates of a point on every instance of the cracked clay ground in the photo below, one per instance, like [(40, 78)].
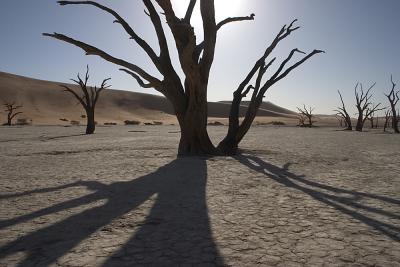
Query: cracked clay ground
[(294, 197)]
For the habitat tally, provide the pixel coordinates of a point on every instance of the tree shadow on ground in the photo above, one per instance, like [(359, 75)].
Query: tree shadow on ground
[(176, 230), (343, 200)]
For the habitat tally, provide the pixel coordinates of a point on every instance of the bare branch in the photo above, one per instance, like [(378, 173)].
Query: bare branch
[(284, 74), (234, 19), (200, 46), (189, 11), (142, 43), (138, 79), (91, 50), (80, 99)]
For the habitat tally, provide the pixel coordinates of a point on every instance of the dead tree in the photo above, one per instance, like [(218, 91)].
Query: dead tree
[(89, 98), (364, 106), (307, 115), (189, 97), (393, 98), (342, 111), (388, 115), (371, 117), (11, 110), (340, 120)]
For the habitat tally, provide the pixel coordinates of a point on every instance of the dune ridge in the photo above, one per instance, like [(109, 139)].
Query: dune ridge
[(45, 103)]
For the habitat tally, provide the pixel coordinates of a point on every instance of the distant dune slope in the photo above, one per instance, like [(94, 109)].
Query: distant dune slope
[(45, 103)]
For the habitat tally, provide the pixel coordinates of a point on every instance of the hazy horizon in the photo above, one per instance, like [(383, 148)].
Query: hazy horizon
[(359, 37)]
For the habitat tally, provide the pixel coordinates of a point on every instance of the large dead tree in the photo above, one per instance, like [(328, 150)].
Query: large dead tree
[(393, 98), (364, 106), (12, 111), (189, 97), (89, 98), (342, 111)]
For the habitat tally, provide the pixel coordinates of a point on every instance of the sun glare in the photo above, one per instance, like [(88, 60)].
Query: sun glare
[(223, 9)]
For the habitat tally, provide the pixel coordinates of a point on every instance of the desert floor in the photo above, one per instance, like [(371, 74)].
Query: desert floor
[(294, 197)]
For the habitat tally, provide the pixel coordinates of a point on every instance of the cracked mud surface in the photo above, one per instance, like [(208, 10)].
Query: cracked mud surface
[(294, 197)]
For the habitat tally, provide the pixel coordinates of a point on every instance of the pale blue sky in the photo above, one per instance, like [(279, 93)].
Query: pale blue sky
[(361, 38)]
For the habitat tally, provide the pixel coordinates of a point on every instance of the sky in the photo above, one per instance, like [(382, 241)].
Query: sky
[(361, 39)]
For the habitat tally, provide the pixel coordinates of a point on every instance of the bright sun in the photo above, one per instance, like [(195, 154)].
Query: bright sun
[(223, 9)]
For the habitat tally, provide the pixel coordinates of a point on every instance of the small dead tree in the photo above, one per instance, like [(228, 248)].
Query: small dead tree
[(393, 98), (342, 111), (307, 115), (340, 120), (89, 98), (11, 110), (302, 120), (388, 115), (364, 106)]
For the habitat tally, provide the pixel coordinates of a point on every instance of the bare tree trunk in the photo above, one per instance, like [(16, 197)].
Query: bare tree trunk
[(194, 136), (8, 120), (360, 122), (91, 124)]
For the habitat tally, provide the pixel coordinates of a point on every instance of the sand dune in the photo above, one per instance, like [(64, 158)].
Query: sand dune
[(45, 103)]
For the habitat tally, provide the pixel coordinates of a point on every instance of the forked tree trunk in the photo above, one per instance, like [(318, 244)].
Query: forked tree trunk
[(236, 132)]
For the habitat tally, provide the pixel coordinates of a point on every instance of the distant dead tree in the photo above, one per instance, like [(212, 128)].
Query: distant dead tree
[(306, 114), (11, 110), (393, 98), (340, 120), (89, 98), (302, 120), (342, 111), (188, 94), (388, 115), (364, 106), (370, 117)]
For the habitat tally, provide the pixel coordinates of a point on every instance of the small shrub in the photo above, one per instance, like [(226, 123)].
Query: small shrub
[(110, 123), (63, 119), (75, 123), (277, 123), (83, 116), (215, 123), (157, 123), (131, 122), (23, 121)]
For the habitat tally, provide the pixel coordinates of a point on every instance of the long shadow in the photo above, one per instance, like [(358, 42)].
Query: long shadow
[(93, 185), (177, 229), (327, 194)]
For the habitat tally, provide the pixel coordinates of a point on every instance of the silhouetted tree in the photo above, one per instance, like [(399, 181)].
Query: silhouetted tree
[(342, 111), (388, 114), (11, 110), (307, 115), (393, 98), (364, 106), (89, 98), (189, 98)]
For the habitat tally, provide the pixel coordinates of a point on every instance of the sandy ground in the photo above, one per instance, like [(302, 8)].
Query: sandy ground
[(294, 197)]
